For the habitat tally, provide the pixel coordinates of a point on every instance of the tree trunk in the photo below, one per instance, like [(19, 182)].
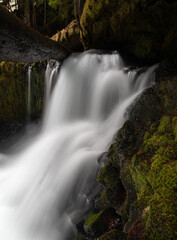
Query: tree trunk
[(20, 43), (27, 12), (45, 11)]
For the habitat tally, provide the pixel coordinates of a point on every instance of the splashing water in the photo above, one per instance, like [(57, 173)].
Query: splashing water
[(47, 185)]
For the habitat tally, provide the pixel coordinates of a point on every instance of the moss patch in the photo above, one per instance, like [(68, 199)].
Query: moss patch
[(14, 90), (155, 179), (103, 221)]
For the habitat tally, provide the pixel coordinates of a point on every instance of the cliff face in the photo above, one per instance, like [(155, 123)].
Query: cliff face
[(139, 178)]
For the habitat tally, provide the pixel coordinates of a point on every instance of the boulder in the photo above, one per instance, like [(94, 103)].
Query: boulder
[(145, 29)]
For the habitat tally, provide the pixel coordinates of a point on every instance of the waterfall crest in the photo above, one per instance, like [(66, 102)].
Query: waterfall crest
[(49, 184)]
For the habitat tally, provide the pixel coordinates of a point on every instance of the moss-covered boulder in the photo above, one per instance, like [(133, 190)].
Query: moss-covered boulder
[(146, 29), (103, 221), (114, 193)]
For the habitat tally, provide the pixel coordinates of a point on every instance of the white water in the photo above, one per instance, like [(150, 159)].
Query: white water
[(51, 75), (47, 186), (29, 94)]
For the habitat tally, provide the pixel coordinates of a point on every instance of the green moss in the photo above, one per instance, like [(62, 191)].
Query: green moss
[(101, 222), (138, 173), (92, 218), (14, 90), (165, 125), (156, 179), (108, 176), (12, 96), (161, 221), (174, 125), (79, 237)]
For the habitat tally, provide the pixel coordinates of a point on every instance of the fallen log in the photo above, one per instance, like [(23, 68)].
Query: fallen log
[(21, 43)]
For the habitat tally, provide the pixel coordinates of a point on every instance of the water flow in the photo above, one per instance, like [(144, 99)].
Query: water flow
[(51, 75), (29, 93), (47, 186)]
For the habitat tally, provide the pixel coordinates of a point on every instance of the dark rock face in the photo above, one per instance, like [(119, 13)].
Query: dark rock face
[(14, 91), (20, 43), (146, 29)]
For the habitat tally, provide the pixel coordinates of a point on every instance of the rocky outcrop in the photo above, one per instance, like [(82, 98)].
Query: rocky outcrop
[(140, 174), (20, 43), (145, 29)]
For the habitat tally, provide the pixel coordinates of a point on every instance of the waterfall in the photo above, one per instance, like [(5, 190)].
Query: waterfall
[(49, 184), (29, 94), (50, 79)]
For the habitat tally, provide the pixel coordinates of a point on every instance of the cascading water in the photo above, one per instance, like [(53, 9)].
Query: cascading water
[(47, 186), (50, 79), (29, 94)]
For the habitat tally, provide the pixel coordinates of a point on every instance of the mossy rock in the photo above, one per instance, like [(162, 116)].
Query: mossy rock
[(155, 179), (80, 237), (109, 176), (114, 192), (101, 222), (14, 91), (143, 157), (146, 29)]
